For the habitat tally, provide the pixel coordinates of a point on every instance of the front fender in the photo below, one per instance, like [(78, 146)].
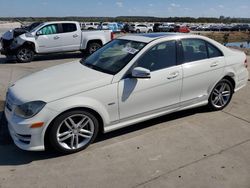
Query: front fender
[(68, 103)]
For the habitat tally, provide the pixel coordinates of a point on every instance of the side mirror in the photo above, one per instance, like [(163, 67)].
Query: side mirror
[(139, 72), (38, 33), (29, 35)]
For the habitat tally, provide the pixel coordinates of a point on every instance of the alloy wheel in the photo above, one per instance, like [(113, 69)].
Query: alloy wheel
[(75, 131), (25, 54), (221, 95)]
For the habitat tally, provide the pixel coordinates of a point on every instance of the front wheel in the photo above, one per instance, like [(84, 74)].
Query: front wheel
[(24, 55), (92, 47), (221, 95), (73, 131)]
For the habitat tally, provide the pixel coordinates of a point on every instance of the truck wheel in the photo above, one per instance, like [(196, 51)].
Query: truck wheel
[(92, 47), (24, 55)]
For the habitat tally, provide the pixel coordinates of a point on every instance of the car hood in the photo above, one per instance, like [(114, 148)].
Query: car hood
[(58, 82), (11, 34)]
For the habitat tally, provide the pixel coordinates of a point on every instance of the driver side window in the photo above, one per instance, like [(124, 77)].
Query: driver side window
[(159, 57), (49, 30)]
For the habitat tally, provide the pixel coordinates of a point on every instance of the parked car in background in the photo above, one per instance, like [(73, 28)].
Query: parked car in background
[(156, 27), (129, 80), (167, 27), (52, 37), (181, 29), (128, 28), (226, 28), (90, 25), (141, 28), (114, 27), (103, 26), (241, 27)]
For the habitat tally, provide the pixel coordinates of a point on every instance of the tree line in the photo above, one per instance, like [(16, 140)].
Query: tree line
[(221, 19)]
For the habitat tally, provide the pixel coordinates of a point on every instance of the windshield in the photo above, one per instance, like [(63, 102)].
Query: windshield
[(114, 56), (36, 27)]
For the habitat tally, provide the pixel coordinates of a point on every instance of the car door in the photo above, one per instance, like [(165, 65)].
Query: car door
[(48, 39), (71, 37), (202, 68), (138, 97)]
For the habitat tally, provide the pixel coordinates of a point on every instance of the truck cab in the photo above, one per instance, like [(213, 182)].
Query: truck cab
[(53, 37)]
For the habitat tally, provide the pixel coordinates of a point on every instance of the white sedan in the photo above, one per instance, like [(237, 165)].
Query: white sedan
[(129, 80)]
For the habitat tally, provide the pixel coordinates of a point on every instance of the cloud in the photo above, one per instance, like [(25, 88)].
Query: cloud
[(119, 4), (175, 5), (44, 3), (151, 5), (187, 9), (244, 7), (221, 6)]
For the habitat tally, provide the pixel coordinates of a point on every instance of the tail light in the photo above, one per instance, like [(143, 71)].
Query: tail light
[(245, 63), (112, 35)]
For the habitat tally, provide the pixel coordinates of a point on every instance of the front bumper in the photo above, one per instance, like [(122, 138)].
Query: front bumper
[(8, 51), (24, 137)]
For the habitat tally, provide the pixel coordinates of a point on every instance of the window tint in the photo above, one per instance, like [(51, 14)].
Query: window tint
[(159, 57), (114, 56), (213, 51), (68, 27), (49, 30), (194, 50)]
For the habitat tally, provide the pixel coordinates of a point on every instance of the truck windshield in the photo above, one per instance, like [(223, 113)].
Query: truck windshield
[(114, 56), (36, 27)]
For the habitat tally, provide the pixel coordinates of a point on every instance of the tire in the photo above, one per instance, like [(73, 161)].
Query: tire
[(24, 55), (150, 31), (73, 138), (137, 31), (221, 95), (92, 47)]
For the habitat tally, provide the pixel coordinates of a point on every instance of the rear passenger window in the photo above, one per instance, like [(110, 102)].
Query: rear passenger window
[(194, 50), (213, 51), (68, 27), (159, 57)]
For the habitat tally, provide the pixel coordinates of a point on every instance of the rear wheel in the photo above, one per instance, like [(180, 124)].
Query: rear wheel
[(92, 47), (24, 55), (137, 31), (221, 95), (73, 131)]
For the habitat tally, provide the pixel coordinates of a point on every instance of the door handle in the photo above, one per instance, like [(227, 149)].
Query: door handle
[(214, 64), (173, 75), (75, 35), (56, 37)]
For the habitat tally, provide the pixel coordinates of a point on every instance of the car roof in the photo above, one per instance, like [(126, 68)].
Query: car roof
[(148, 37), (59, 22)]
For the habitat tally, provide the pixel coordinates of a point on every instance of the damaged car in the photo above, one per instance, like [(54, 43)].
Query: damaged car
[(51, 37)]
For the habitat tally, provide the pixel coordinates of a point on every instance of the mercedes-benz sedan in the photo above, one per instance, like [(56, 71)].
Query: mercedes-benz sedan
[(129, 80)]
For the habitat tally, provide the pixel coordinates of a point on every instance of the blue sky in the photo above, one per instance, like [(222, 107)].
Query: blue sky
[(161, 8)]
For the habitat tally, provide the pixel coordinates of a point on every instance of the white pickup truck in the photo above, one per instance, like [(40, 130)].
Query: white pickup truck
[(52, 37)]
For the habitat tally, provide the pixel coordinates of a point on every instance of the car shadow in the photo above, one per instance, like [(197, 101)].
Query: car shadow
[(12, 156), (45, 57)]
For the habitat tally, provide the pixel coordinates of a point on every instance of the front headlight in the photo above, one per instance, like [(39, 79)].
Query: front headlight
[(29, 109)]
